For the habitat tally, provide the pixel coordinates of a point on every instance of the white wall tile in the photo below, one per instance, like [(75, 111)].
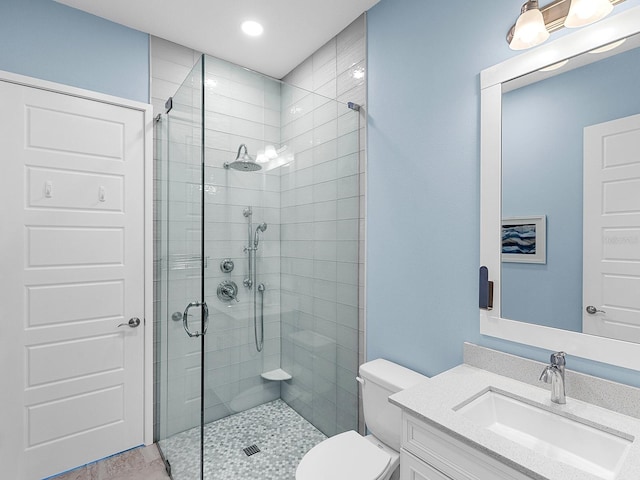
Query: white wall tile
[(325, 113), (172, 52), (323, 73), (348, 186), (325, 191), (325, 211), (324, 54)]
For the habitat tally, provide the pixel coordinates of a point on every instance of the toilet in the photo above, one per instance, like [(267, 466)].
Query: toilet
[(349, 455)]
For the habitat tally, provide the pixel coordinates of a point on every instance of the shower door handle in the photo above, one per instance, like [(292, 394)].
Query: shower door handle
[(185, 318)]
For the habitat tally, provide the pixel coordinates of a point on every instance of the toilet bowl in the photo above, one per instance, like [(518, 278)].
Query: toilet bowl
[(349, 455)]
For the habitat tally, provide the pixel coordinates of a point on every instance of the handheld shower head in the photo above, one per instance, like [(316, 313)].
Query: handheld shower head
[(260, 228)]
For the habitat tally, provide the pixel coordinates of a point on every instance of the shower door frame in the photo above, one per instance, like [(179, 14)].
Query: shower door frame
[(165, 260), (203, 302)]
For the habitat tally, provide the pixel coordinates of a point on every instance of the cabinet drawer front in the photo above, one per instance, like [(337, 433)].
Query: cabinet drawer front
[(414, 469), (451, 456)]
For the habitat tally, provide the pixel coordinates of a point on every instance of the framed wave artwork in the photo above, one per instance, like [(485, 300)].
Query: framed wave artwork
[(524, 239)]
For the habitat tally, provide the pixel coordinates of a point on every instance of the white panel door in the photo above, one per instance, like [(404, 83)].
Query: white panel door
[(72, 270), (612, 229)]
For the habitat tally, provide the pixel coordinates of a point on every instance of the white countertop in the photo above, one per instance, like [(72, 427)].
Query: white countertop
[(433, 402)]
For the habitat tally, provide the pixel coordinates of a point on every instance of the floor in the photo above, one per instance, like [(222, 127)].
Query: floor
[(282, 436), (143, 463)]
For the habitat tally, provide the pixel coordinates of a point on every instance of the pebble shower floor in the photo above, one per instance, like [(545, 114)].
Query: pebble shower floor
[(282, 436)]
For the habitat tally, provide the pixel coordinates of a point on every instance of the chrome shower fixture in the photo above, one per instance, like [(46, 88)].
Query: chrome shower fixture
[(260, 228), (251, 280), (243, 161)]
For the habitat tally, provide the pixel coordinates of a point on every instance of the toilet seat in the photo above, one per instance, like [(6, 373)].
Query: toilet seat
[(347, 456)]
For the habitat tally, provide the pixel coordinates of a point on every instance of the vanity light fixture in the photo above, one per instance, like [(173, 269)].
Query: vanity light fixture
[(535, 23), (586, 12), (530, 29)]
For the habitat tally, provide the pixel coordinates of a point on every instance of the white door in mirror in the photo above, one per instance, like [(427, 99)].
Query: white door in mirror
[(612, 229)]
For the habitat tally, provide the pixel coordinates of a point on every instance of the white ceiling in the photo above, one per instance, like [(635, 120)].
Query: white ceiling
[(294, 29)]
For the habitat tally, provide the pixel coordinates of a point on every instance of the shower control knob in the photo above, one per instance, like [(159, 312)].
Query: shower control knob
[(226, 265), (228, 291)]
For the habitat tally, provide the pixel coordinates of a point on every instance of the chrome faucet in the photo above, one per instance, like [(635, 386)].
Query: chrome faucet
[(554, 374)]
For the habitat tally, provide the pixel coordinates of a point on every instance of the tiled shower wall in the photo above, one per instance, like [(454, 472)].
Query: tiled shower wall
[(242, 107), (323, 327), (248, 114)]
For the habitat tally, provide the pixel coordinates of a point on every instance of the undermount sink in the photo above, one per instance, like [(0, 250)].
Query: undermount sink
[(555, 436)]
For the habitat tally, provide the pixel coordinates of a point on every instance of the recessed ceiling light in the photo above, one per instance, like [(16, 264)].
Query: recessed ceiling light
[(251, 28)]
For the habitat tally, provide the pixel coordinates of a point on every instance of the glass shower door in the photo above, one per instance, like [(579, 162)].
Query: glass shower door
[(183, 314), (258, 216)]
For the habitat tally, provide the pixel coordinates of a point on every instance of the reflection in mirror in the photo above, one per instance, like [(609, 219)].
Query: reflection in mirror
[(612, 351), (544, 116)]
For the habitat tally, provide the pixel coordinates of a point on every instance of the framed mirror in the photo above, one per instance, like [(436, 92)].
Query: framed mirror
[(522, 168)]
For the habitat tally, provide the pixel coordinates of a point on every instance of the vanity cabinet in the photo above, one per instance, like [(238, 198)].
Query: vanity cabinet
[(412, 468), (427, 453)]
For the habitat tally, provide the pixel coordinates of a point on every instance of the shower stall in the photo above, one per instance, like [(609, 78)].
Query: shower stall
[(257, 268)]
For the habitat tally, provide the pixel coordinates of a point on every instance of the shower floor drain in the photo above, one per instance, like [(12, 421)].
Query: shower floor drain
[(251, 450)]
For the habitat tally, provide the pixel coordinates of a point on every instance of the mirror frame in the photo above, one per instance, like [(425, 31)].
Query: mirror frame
[(601, 349)]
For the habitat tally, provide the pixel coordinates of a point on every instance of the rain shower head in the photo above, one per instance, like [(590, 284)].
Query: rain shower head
[(243, 161)]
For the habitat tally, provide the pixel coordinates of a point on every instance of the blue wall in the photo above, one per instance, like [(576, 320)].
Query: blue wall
[(545, 177), (50, 41), (424, 60)]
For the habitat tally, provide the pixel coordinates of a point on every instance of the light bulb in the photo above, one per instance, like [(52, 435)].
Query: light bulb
[(530, 30), (586, 12)]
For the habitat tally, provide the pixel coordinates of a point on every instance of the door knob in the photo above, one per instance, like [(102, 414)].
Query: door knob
[(591, 310), (133, 323)]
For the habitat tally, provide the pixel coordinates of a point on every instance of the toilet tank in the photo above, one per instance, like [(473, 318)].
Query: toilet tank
[(382, 378)]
